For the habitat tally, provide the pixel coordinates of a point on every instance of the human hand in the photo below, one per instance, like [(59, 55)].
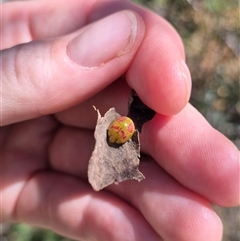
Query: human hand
[(44, 158)]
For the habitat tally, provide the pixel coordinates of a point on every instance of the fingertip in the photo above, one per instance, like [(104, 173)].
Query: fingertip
[(159, 73), (208, 225), (199, 222), (169, 85)]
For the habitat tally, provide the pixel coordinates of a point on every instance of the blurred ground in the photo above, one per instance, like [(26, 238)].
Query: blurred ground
[(211, 34)]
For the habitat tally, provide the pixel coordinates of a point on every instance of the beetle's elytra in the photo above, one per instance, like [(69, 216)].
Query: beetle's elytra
[(121, 130)]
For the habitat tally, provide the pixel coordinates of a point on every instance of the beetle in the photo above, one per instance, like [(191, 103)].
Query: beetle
[(120, 130)]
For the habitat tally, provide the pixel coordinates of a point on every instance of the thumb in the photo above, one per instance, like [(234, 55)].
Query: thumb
[(48, 76)]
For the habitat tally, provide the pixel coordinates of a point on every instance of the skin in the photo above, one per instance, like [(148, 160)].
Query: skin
[(48, 122)]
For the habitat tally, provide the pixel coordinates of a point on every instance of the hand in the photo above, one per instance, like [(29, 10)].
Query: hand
[(89, 53)]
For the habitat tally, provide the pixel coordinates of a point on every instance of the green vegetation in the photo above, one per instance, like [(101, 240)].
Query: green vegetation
[(23, 232)]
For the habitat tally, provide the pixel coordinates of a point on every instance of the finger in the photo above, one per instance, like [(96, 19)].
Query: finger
[(70, 151), (24, 21), (70, 207), (194, 153), (67, 70), (23, 152), (158, 73), (172, 210)]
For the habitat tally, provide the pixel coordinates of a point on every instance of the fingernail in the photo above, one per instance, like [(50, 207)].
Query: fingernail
[(187, 77), (104, 40)]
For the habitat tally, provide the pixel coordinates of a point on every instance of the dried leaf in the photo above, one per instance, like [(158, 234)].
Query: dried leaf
[(110, 164)]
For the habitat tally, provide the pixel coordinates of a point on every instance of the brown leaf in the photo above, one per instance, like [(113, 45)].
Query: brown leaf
[(110, 164)]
